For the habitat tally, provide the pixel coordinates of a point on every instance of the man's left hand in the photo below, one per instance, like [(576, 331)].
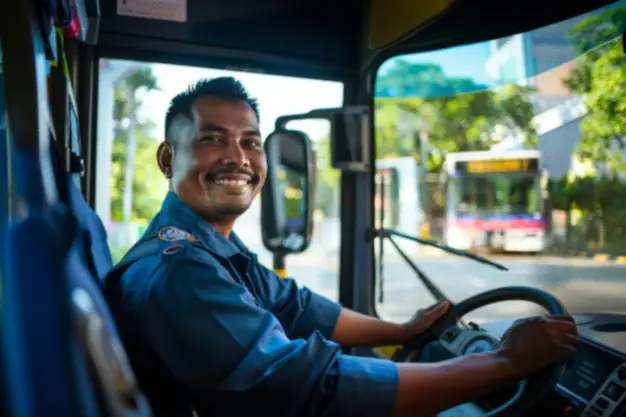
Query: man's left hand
[(425, 318)]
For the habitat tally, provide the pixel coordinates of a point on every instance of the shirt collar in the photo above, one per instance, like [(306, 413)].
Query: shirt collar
[(177, 213)]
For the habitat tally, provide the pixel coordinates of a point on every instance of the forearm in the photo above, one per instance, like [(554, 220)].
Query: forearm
[(426, 389), (354, 329)]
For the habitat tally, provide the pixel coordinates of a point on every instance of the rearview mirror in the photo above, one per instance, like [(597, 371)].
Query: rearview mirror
[(287, 197)]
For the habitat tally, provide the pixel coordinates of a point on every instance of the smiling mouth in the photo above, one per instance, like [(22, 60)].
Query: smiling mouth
[(232, 182)]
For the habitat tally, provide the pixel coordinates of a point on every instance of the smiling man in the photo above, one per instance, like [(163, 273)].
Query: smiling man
[(216, 176), (208, 328)]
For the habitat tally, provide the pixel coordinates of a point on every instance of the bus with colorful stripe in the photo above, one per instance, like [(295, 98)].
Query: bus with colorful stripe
[(494, 201)]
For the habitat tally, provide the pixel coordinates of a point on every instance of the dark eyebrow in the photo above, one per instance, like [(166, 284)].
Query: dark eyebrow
[(211, 127), (252, 132)]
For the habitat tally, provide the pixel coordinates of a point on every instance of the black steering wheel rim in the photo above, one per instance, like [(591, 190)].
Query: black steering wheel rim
[(539, 385)]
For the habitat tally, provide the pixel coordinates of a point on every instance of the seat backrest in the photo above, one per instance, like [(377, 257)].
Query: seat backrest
[(97, 255), (88, 262)]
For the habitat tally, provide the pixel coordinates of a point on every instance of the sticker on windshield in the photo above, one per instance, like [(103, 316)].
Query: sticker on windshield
[(174, 234), (172, 10)]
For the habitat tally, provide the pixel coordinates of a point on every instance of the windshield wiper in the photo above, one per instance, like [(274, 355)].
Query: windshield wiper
[(387, 233)]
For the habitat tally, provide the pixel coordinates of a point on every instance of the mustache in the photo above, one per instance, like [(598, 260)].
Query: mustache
[(242, 171)]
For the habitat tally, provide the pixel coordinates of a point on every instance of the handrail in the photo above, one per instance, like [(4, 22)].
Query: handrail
[(24, 68)]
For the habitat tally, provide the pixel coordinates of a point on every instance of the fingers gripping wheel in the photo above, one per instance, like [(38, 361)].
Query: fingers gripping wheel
[(460, 341)]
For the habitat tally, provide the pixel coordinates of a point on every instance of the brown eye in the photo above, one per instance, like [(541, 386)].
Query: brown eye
[(211, 139), (252, 143)]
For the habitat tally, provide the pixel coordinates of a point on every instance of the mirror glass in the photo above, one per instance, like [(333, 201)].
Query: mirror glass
[(286, 217)]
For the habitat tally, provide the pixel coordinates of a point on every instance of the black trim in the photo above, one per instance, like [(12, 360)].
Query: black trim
[(154, 50)]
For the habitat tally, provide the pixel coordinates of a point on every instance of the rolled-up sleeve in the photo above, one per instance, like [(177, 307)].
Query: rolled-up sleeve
[(213, 337), (299, 310)]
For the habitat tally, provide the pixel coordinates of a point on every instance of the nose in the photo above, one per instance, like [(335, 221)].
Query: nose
[(235, 155)]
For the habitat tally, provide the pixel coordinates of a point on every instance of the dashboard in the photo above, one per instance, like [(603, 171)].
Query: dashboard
[(592, 385), (595, 382)]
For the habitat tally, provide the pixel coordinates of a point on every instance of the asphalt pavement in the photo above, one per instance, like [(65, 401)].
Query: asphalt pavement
[(582, 285)]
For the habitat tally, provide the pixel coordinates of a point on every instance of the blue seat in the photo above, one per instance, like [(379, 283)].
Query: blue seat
[(88, 262), (96, 250)]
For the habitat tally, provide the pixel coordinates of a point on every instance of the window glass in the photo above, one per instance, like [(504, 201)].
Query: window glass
[(515, 150), (133, 99)]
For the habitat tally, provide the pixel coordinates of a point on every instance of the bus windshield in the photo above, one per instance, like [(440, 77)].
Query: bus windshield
[(513, 147), (483, 196)]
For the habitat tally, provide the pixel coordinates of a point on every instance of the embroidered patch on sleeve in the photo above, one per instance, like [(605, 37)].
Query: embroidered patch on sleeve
[(174, 234)]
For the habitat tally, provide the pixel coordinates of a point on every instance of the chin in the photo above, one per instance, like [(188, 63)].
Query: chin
[(232, 209)]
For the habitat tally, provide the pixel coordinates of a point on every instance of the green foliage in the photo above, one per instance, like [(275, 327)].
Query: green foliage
[(454, 119), (600, 204), (148, 185), (601, 76)]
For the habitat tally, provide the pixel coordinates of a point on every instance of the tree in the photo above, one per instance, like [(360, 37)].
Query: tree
[(128, 100), (137, 186), (458, 114), (600, 75), (148, 185)]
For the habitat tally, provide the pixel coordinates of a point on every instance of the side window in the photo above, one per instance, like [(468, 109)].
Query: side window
[(518, 154), (133, 99)]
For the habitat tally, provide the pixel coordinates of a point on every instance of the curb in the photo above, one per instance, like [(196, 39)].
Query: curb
[(599, 257)]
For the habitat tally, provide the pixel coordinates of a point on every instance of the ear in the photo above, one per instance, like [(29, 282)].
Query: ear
[(164, 156)]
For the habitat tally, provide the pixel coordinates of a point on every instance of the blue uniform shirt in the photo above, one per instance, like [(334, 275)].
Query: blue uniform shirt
[(207, 326)]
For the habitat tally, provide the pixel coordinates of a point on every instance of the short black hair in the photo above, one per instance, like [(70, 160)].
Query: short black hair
[(221, 87)]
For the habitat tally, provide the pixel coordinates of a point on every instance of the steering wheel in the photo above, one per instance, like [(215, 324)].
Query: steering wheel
[(458, 341)]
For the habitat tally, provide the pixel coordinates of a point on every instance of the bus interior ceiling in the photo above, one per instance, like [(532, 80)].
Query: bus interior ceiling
[(321, 39)]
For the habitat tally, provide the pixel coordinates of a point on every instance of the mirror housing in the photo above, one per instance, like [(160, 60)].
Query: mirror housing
[(287, 198), (349, 135)]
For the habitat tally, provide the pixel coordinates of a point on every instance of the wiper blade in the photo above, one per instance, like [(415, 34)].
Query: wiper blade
[(441, 246), (434, 290)]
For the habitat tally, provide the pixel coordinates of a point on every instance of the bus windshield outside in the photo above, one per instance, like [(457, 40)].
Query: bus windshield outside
[(487, 196), (494, 201)]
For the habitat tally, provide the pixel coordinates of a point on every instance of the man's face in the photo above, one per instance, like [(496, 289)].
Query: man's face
[(219, 167)]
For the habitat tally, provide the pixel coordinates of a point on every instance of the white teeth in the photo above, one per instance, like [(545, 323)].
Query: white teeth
[(231, 183)]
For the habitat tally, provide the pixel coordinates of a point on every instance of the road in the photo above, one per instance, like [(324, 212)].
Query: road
[(582, 285)]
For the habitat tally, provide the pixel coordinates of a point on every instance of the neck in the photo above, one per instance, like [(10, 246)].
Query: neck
[(224, 228)]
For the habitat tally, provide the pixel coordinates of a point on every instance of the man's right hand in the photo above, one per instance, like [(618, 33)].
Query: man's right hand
[(526, 348), (534, 343)]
